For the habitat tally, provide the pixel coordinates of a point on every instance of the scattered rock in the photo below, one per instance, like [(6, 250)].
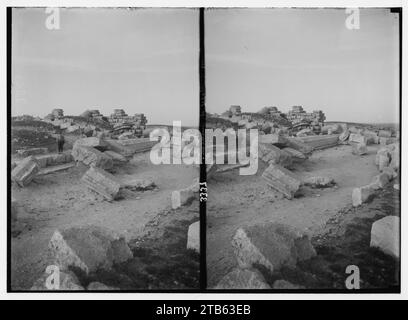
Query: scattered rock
[(140, 185), (243, 279), (319, 182), (272, 245), (193, 237), (397, 186), (102, 182), (359, 149), (385, 235), (281, 180), (94, 142), (89, 248), (380, 181), (357, 138), (384, 134), (344, 135), (181, 197), (25, 171), (92, 157)]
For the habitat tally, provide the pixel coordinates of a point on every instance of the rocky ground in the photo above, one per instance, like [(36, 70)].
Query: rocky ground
[(339, 232), (157, 234)]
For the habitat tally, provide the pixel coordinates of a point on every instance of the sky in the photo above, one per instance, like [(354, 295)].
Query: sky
[(142, 61), (286, 57)]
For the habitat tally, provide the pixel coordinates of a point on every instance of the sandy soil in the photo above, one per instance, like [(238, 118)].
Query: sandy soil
[(236, 200), (60, 200)]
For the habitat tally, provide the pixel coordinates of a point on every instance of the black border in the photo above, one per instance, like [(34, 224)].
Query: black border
[(203, 269)]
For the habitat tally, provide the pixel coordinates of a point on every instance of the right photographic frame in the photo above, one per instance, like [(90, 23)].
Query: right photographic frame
[(302, 149)]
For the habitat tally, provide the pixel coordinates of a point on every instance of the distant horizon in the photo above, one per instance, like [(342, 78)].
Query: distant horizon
[(257, 57), (139, 60)]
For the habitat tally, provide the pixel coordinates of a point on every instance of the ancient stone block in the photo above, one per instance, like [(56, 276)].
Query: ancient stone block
[(92, 157), (25, 171), (273, 155), (271, 245), (384, 133), (94, 142), (281, 180), (193, 237), (296, 155), (357, 138), (89, 248), (243, 279), (54, 159), (372, 137), (102, 182), (321, 142), (385, 235), (116, 157), (359, 149), (362, 195), (31, 152)]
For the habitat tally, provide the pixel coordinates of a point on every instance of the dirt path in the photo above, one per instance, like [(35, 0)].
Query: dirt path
[(60, 200), (244, 200)]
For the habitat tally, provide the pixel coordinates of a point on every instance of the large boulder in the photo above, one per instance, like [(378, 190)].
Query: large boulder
[(272, 245), (384, 133), (102, 182), (92, 157), (137, 184), (88, 248), (357, 138), (54, 159), (380, 181), (385, 235), (273, 155), (94, 142), (243, 279), (281, 180), (25, 171)]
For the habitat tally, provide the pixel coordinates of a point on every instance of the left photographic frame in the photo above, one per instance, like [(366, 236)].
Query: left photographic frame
[(103, 149)]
